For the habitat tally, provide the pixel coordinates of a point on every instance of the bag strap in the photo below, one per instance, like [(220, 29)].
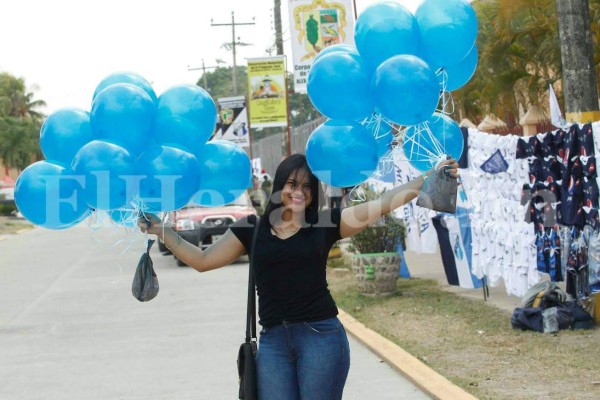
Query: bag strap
[(251, 311)]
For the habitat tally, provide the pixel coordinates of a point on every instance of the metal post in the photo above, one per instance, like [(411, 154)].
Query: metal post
[(204, 68), (233, 44)]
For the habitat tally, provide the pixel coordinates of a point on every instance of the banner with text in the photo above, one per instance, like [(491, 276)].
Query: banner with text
[(267, 92), (314, 25), (233, 121)]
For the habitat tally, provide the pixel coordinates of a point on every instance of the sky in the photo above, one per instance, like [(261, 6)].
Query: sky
[(64, 48)]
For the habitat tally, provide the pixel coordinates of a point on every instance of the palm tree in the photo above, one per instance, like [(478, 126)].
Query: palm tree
[(519, 55), (15, 101), (20, 123)]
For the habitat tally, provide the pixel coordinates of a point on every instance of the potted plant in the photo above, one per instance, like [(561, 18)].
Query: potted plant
[(376, 262)]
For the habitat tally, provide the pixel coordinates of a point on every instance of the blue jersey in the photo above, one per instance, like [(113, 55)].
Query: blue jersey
[(588, 166), (569, 147), (550, 169), (585, 139), (546, 144), (558, 142), (571, 197), (524, 149), (590, 193), (534, 144)]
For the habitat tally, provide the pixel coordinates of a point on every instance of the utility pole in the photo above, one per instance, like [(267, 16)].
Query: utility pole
[(203, 68), (577, 53), (233, 44), (278, 33)]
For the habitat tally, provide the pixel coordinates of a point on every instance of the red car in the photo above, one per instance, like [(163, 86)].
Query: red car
[(202, 226)]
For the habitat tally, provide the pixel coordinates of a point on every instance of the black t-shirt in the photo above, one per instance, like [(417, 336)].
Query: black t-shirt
[(290, 274)]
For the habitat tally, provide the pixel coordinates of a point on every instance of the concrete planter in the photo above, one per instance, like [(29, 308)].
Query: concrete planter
[(376, 273)]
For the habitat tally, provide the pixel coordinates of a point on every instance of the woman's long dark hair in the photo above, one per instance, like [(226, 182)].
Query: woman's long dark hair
[(294, 164)]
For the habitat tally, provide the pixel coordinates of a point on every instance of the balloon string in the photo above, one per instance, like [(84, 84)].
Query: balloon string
[(126, 232), (415, 141)]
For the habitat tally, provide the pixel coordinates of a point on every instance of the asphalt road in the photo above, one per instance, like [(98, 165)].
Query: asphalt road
[(71, 329)]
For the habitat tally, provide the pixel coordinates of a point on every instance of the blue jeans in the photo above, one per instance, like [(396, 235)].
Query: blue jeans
[(304, 360)]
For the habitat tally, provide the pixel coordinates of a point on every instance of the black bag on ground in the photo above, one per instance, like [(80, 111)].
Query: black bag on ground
[(246, 360), (145, 281), (543, 294), (528, 318), (581, 318), (438, 192)]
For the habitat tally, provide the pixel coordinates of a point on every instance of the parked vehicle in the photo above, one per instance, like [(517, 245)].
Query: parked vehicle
[(203, 226)]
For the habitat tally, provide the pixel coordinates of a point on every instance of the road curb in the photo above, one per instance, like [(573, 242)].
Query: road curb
[(426, 379)]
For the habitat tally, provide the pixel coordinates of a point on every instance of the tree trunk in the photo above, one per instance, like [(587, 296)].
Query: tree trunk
[(278, 34), (579, 79)]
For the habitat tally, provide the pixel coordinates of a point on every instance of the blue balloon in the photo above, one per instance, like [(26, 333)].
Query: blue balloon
[(384, 30), (448, 30), (48, 195), (342, 47), (186, 117), (459, 74), (64, 132), (338, 86), (109, 173), (342, 153), (123, 114), (406, 89), (225, 173), (424, 149), (126, 77), (171, 177)]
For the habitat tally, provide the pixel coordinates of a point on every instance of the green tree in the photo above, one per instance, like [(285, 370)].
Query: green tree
[(16, 101), (20, 123), (220, 82)]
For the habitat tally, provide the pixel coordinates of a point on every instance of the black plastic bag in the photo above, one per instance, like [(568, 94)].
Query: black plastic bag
[(145, 281), (438, 192)]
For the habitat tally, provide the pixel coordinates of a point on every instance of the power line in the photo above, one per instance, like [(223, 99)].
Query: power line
[(233, 43), (204, 68)]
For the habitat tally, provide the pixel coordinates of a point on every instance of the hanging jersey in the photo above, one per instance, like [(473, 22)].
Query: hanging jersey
[(550, 169), (535, 169), (569, 144), (592, 218), (585, 138), (575, 167), (593, 259), (590, 193), (524, 149), (546, 144), (571, 196), (558, 142), (535, 146), (588, 166)]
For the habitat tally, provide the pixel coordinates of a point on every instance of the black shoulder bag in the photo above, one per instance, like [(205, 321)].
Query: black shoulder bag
[(246, 361)]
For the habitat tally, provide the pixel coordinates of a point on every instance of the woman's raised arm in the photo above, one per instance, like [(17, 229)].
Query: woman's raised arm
[(223, 252), (355, 219)]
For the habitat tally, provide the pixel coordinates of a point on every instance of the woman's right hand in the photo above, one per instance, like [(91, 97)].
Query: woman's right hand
[(150, 223)]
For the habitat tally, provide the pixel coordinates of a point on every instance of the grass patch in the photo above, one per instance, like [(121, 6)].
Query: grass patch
[(473, 344), (9, 225)]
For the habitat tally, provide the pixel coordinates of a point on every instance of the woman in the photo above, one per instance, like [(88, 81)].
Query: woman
[(303, 350)]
